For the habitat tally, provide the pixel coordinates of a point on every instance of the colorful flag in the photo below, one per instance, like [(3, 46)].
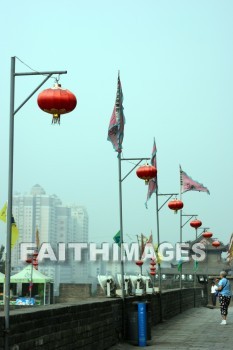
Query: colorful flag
[(3, 212), (146, 242), (117, 121), (230, 250), (152, 186), (117, 238), (188, 184)]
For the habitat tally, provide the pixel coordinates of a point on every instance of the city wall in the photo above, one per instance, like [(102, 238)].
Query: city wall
[(90, 324)]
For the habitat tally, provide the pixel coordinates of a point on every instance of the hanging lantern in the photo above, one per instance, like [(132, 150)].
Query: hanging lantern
[(153, 263), (195, 223), (152, 268), (207, 234), (56, 101), (216, 243), (175, 205), (29, 260), (153, 273), (139, 262), (146, 172)]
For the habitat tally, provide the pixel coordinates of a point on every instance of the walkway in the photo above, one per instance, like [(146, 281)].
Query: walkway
[(194, 329)]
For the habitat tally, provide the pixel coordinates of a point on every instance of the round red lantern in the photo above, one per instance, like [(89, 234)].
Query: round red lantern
[(153, 273), (175, 205), (29, 260), (216, 243), (195, 223), (207, 234), (139, 262), (57, 101), (146, 172), (152, 268), (153, 262)]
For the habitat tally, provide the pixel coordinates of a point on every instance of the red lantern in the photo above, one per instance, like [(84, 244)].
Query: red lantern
[(139, 262), (216, 243), (195, 223), (153, 273), (207, 234), (175, 205), (152, 268), (56, 101), (29, 260), (153, 262), (146, 172)]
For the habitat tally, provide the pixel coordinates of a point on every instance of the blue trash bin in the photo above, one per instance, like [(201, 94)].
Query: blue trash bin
[(138, 323)]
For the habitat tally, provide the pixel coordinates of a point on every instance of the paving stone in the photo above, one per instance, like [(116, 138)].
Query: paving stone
[(194, 329)]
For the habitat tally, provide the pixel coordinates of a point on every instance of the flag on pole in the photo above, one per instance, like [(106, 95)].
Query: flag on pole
[(14, 229), (152, 186), (117, 121), (230, 250), (117, 238), (159, 257), (179, 266), (188, 184), (3, 212), (195, 268), (147, 242)]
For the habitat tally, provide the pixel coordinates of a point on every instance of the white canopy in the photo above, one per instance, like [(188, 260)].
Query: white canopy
[(30, 274)]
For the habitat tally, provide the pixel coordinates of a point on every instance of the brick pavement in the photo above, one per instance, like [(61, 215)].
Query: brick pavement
[(194, 329)]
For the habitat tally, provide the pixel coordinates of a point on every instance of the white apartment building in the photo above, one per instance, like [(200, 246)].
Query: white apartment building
[(56, 224)]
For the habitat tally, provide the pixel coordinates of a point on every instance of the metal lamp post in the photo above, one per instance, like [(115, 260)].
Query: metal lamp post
[(13, 111)]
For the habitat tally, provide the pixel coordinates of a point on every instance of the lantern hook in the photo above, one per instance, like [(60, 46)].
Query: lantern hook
[(56, 79)]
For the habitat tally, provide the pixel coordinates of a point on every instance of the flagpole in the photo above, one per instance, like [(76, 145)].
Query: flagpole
[(181, 238), (195, 274), (121, 226), (121, 243), (159, 266)]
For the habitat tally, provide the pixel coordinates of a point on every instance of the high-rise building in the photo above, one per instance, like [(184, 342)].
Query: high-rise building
[(56, 224)]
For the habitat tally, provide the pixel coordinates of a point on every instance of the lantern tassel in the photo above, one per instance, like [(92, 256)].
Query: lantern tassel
[(56, 119)]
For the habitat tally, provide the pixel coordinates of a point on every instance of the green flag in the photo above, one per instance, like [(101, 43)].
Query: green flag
[(117, 238), (179, 266), (195, 268)]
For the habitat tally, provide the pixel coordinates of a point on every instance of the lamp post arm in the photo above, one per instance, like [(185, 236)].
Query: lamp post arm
[(166, 194), (140, 160), (41, 73), (49, 74), (190, 217), (28, 98), (130, 171)]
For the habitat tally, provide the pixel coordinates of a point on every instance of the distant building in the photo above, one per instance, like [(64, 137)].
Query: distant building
[(56, 223)]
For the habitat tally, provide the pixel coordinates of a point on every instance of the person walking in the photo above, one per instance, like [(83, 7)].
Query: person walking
[(213, 293), (224, 289)]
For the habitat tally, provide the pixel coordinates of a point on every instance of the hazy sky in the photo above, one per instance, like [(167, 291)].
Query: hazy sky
[(176, 65)]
